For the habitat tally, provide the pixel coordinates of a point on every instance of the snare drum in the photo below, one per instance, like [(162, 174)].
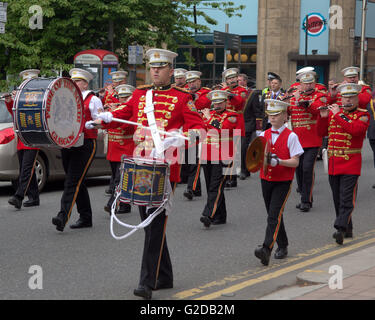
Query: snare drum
[(143, 182), (48, 112)]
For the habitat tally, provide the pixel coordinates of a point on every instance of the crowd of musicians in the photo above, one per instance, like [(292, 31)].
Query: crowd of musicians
[(297, 124)]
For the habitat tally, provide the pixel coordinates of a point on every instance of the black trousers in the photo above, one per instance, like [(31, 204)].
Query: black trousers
[(372, 145), (156, 262), (116, 176), (27, 183), (275, 195), (245, 142), (215, 207), (344, 191), (194, 180), (305, 173), (76, 162)]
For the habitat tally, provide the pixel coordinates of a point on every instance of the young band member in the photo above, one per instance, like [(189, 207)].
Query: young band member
[(216, 149), (277, 179), (77, 160), (27, 182), (346, 128), (169, 109)]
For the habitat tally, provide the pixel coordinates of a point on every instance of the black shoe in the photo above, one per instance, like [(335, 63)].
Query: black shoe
[(163, 285), (81, 224), (305, 207), (244, 175), (59, 221), (206, 221), (219, 221), (31, 203), (197, 193), (373, 186), (339, 236), (231, 184), (298, 206), (281, 253), (263, 254), (189, 194), (108, 191), (124, 208), (143, 292), (16, 202)]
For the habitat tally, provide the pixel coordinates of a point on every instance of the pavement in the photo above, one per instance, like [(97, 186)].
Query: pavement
[(350, 277)]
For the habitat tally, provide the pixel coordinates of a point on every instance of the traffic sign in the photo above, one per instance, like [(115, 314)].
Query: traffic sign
[(229, 40), (3, 11), (135, 54)]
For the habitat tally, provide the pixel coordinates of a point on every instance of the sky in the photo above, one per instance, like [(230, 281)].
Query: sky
[(245, 25)]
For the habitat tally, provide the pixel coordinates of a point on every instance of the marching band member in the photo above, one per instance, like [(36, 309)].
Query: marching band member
[(77, 160), (351, 75), (27, 182), (118, 78), (304, 113), (179, 78), (172, 109), (111, 101), (346, 128), (276, 180), (120, 142), (318, 86), (236, 103), (220, 126), (201, 102)]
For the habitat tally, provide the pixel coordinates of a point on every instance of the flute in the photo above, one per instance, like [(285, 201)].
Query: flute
[(344, 106), (291, 96)]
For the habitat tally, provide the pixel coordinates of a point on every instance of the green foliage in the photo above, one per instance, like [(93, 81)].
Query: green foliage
[(70, 26)]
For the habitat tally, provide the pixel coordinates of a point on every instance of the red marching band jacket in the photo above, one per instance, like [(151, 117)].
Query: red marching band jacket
[(120, 140), (304, 115), (173, 109), (218, 144), (346, 132), (202, 102), (280, 148), (237, 104), (92, 133), (20, 145)]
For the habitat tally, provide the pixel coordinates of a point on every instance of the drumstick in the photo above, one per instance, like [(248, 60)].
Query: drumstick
[(148, 128)]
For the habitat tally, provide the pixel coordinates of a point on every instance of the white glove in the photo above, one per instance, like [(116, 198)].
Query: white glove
[(89, 125), (258, 132), (106, 116), (274, 160)]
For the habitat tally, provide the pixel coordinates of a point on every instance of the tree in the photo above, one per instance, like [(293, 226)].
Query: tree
[(70, 26)]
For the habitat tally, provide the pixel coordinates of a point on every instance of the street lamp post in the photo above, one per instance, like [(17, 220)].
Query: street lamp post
[(306, 37), (363, 37)]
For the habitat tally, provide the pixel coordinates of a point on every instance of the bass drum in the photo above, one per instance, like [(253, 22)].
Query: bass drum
[(48, 112)]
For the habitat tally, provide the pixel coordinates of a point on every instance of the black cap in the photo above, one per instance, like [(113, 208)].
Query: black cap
[(272, 75)]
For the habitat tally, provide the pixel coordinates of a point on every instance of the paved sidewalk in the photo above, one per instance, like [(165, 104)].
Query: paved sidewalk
[(358, 282)]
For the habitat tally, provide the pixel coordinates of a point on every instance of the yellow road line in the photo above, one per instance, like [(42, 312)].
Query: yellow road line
[(186, 294), (283, 271)]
